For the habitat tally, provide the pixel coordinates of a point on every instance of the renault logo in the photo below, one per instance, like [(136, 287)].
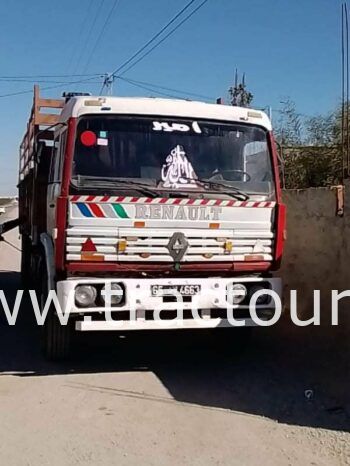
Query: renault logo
[(177, 246)]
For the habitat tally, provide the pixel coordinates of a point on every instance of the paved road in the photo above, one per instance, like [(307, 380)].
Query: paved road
[(171, 399)]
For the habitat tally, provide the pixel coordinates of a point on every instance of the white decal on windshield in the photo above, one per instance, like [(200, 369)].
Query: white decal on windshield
[(196, 128), (170, 127), (177, 169)]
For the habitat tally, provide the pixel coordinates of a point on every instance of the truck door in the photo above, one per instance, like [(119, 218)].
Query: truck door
[(55, 179)]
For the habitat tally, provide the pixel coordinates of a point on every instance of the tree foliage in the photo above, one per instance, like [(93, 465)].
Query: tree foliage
[(239, 94), (289, 125), (310, 147)]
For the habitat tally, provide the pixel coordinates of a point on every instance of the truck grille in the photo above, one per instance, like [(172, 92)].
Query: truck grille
[(154, 245)]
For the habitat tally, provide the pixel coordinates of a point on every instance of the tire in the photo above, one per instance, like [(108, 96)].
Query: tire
[(56, 341)]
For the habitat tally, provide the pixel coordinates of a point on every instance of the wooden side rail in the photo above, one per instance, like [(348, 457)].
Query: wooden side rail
[(37, 119)]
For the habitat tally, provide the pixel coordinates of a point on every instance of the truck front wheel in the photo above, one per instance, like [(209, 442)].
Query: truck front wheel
[(56, 336)]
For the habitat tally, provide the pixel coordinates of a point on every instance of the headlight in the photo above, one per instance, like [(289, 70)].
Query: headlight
[(236, 293), (116, 292), (263, 299), (85, 295)]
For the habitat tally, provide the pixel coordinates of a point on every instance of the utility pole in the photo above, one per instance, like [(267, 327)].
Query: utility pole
[(108, 83), (345, 112), (269, 112)]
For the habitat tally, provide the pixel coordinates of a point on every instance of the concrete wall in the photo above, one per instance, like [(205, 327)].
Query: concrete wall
[(317, 253)]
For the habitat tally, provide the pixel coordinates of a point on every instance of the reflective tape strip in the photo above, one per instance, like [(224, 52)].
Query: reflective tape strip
[(170, 201), (84, 209)]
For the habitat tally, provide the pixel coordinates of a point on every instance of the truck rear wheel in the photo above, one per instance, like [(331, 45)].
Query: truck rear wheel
[(56, 337)]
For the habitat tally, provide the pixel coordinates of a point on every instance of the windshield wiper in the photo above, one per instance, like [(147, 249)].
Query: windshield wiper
[(103, 181), (232, 190)]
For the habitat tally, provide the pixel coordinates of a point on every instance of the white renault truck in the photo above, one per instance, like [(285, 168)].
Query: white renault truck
[(132, 209)]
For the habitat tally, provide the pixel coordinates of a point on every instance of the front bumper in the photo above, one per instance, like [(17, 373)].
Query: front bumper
[(139, 311)]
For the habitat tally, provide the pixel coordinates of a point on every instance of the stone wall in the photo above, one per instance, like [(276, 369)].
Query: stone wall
[(317, 251)]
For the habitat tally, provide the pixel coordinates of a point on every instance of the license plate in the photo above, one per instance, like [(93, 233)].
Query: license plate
[(183, 290)]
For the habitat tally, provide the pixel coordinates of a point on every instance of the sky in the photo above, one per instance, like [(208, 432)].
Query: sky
[(286, 48)]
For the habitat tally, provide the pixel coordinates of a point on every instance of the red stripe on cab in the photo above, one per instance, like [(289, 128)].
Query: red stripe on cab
[(96, 210)]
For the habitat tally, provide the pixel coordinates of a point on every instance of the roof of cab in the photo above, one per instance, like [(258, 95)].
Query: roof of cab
[(83, 105)]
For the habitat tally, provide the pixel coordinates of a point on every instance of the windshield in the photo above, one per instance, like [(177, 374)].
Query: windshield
[(173, 154)]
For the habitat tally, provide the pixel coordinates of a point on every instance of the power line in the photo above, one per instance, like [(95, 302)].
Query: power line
[(109, 15), (99, 8), (193, 94), (35, 81), (150, 89), (34, 76), (141, 84), (165, 37), (81, 30), (29, 91), (149, 42)]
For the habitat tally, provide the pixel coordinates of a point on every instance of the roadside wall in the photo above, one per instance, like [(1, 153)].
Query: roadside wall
[(317, 252)]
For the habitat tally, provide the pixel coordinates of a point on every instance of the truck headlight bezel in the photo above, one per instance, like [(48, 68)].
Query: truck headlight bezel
[(116, 300), (85, 295), (263, 299)]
